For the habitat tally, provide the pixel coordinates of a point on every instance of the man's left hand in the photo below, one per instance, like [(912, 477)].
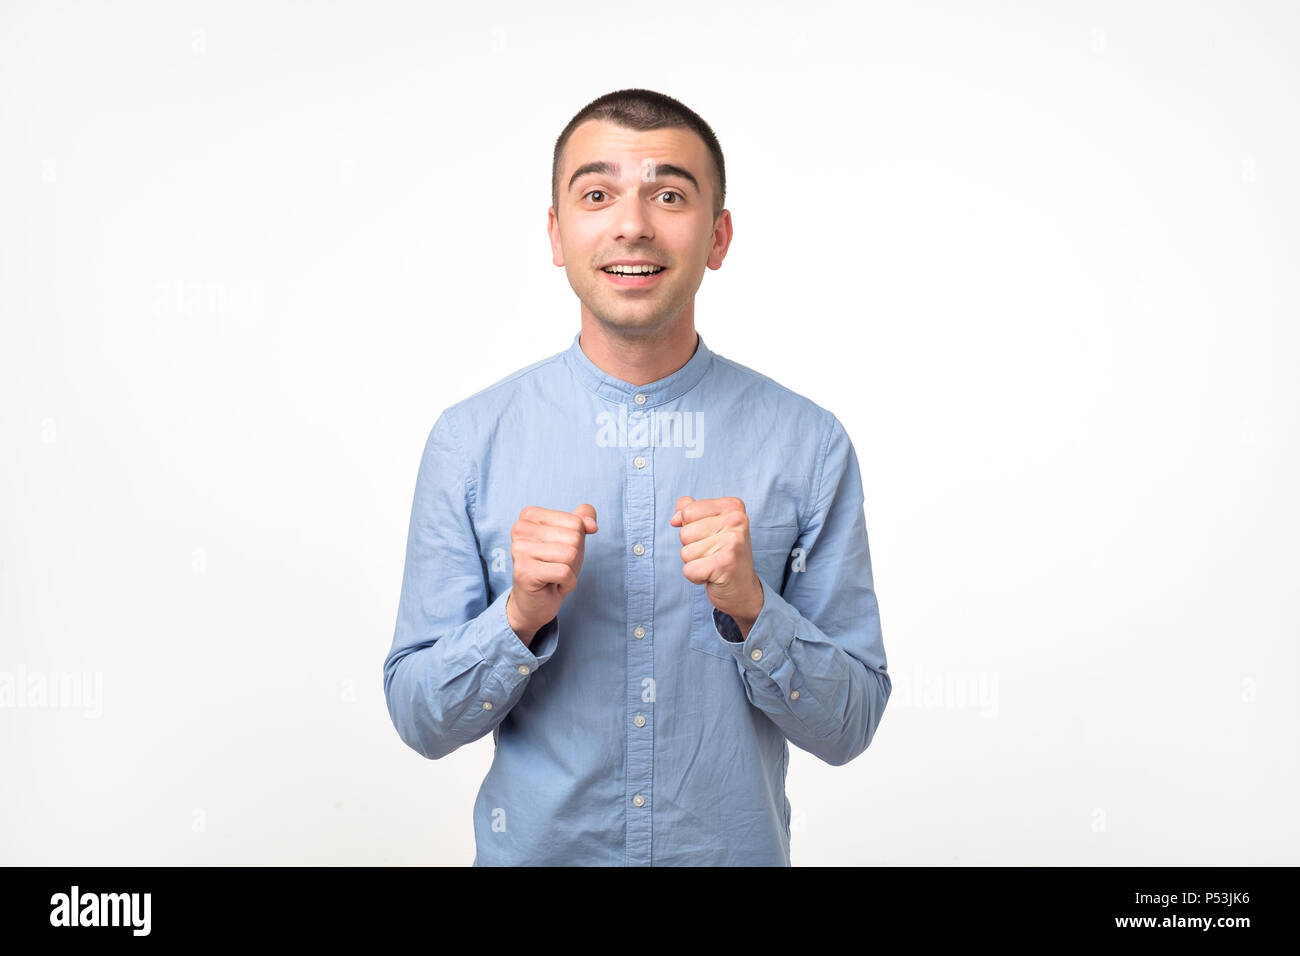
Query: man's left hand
[(717, 553)]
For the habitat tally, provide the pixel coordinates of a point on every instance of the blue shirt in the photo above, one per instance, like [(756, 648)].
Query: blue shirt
[(638, 728)]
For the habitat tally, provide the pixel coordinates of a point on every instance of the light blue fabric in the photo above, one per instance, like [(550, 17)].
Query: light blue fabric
[(576, 779)]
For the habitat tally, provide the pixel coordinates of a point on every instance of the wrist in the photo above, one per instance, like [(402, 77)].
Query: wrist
[(746, 620), (522, 631)]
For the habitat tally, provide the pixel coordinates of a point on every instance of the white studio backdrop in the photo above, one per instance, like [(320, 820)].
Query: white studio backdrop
[(1040, 259)]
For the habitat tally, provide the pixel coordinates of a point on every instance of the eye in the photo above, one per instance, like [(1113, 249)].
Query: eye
[(673, 192), (599, 192)]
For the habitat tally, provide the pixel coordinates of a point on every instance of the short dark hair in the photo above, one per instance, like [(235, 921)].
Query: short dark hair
[(644, 110)]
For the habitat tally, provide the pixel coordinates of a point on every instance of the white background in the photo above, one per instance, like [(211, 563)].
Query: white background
[(1040, 259)]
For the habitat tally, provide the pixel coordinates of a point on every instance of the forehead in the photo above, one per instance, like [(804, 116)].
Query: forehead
[(600, 140)]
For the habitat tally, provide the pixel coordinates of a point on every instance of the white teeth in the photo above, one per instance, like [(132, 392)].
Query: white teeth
[(633, 270)]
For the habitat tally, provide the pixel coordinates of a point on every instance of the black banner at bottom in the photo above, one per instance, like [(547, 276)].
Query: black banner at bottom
[(210, 905)]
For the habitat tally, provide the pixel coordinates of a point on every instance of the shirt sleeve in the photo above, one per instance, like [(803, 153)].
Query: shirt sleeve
[(455, 667), (814, 661)]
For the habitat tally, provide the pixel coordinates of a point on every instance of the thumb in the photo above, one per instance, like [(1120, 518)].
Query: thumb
[(677, 520), (588, 514)]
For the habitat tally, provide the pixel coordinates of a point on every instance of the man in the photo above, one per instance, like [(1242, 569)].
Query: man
[(641, 566)]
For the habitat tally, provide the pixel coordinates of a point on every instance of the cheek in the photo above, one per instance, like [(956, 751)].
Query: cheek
[(578, 248), (696, 260)]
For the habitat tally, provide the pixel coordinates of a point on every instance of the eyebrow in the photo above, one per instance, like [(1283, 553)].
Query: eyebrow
[(602, 168)]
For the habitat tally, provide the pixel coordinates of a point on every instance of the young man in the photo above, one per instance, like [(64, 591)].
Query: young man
[(641, 566)]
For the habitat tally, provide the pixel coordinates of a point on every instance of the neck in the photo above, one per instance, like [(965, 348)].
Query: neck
[(638, 360)]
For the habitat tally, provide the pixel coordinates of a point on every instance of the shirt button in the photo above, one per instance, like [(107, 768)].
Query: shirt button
[(638, 548), (639, 800), (523, 668), (756, 654), (639, 398), (639, 631), (639, 461), (487, 705), (639, 720), (794, 695)]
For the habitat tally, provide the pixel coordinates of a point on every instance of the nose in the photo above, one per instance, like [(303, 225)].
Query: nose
[(632, 224)]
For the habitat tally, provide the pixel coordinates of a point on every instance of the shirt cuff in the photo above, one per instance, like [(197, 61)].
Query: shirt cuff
[(512, 660), (768, 639)]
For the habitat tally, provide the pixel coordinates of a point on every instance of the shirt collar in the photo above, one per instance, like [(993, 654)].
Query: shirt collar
[(642, 396)]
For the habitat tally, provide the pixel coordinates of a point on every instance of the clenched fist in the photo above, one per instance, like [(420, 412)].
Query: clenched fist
[(546, 548), (718, 554)]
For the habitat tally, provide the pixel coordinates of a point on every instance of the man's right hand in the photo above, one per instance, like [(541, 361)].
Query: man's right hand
[(546, 548)]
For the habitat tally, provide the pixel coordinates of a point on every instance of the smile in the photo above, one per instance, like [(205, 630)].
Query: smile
[(633, 279)]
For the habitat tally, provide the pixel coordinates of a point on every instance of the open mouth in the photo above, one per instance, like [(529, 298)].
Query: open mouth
[(633, 277)]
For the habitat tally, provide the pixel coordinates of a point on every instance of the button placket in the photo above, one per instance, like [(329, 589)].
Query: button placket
[(639, 520)]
